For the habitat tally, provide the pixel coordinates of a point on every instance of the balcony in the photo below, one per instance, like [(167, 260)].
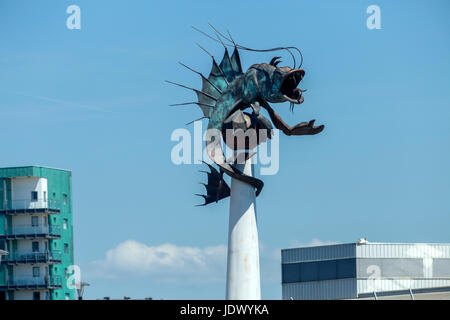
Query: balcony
[(33, 283), (49, 257), (38, 206), (32, 232)]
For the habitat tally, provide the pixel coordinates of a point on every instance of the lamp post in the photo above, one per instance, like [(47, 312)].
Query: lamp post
[(80, 289)]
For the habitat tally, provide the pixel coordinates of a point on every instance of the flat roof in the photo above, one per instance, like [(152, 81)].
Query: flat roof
[(30, 171), (33, 166), (366, 243)]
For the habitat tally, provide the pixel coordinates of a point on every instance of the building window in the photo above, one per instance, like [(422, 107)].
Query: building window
[(318, 270), (35, 246), (36, 295), (54, 245), (34, 196), (64, 199), (35, 221), (65, 224), (67, 296), (36, 272), (45, 196), (66, 248)]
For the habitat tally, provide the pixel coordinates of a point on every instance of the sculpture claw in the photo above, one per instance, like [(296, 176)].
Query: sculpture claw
[(306, 128)]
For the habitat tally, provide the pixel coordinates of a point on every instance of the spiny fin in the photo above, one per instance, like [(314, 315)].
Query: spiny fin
[(196, 120), (187, 103), (219, 79), (216, 188), (210, 89), (205, 99), (227, 71), (226, 67), (236, 63), (217, 76)]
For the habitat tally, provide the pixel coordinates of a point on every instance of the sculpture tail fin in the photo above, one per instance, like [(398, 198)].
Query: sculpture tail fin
[(216, 188)]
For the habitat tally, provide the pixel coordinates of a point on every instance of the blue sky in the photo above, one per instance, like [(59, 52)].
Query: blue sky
[(94, 101)]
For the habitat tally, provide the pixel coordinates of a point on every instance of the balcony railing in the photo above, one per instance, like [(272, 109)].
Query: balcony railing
[(31, 206), (32, 232), (34, 257), (46, 282)]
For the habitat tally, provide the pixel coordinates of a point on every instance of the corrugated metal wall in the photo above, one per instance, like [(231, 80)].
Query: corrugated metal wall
[(371, 285), (338, 251), (403, 250), (390, 267), (441, 268), (320, 290), (402, 266)]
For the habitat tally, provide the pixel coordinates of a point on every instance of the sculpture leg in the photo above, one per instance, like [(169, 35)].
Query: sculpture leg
[(304, 128)]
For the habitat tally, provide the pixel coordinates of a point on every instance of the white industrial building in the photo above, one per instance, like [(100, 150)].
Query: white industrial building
[(367, 270)]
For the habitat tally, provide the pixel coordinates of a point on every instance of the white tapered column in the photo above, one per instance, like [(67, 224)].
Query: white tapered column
[(243, 278)]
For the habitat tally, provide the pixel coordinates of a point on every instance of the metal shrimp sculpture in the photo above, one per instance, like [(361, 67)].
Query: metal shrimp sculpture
[(228, 91)]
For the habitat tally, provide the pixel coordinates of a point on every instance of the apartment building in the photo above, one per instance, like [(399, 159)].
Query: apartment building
[(36, 231)]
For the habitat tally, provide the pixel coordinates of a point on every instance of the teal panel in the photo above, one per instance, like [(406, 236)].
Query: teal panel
[(5, 194), (60, 184), (17, 172)]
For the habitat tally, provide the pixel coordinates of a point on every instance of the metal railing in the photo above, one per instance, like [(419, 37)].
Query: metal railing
[(34, 230), (30, 282), (34, 257), (31, 204)]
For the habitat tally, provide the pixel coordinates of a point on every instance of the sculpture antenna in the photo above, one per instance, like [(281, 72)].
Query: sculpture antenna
[(231, 38), (288, 49)]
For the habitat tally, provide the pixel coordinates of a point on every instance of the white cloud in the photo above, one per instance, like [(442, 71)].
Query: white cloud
[(165, 261), (314, 242), (318, 242), (170, 263)]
